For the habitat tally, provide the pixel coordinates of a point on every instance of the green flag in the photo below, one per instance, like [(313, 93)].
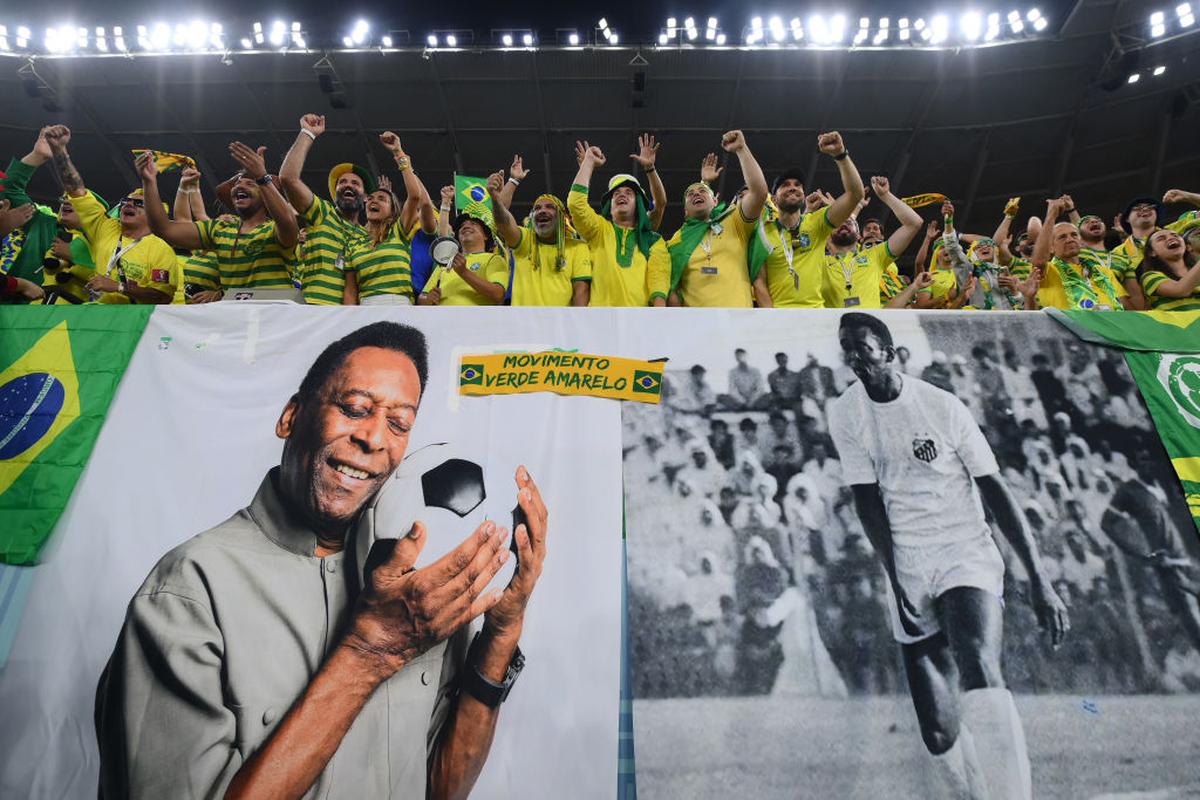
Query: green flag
[(1162, 349), (59, 368), (471, 197)]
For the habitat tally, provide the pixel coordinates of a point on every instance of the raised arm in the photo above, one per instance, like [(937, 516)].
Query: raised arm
[(645, 157), (755, 198), (1180, 287), (1070, 210), (413, 188), (921, 261), (963, 268), (586, 220), (1041, 250), (506, 223), (909, 219), (831, 144), (287, 230), (905, 298), (57, 137), (1050, 609), (175, 233), (189, 188), (311, 126), (444, 228), (516, 174), (1002, 234)]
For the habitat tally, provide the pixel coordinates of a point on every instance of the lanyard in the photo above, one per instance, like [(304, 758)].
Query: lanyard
[(847, 273), (115, 259)]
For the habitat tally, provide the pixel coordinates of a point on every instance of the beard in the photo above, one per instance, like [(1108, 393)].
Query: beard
[(843, 239), (350, 205)]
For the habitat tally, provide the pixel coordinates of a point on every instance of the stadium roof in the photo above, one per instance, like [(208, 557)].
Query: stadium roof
[(978, 124)]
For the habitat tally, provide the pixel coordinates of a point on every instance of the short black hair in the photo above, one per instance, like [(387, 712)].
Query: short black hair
[(869, 220), (387, 335), (857, 319), (739, 350)]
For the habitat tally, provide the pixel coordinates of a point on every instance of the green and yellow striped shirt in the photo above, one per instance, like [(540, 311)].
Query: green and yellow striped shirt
[(329, 240), (1151, 279), (252, 260), (385, 268), (201, 269)]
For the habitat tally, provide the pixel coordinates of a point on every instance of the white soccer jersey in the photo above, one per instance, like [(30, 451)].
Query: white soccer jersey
[(924, 450)]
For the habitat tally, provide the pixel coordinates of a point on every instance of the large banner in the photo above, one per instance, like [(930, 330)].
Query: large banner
[(195, 684), (842, 537), (895, 554)]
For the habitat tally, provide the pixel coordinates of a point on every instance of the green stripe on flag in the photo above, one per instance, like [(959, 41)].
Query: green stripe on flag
[(59, 368), (1149, 331)]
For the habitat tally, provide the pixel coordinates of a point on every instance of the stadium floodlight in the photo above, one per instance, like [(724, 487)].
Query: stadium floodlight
[(720, 40), (662, 39), (884, 23), (386, 40), (1159, 70), (818, 29), (615, 40), (101, 39), (904, 32), (180, 39), (278, 33), (710, 29), (837, 28), (3, 38), (860, 36), (797, 29), (689, 25), (880, 37), (431, 40), (347, 42), (939, 29), (360, 31), (572, 39), (671, 23), (1135, 77), (1158, 24), (1186, 18), (777, 31), (298, 36), (507, 40), (971, 25), (1032, 14), (23, 37), (216, 35), (1014, 21), (81, 38), (118, 35), (258, 33), (527, 39), (451, 40), (1039, 24), (160, 36)]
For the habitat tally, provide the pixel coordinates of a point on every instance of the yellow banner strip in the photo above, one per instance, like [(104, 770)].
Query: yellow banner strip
[(922, 200), (561, 373)]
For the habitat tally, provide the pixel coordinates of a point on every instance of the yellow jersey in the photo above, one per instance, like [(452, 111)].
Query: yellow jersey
[(717, 274), (1080, 286), (852, 278), (384, 268), (148, 261), (456, 291), (612, 284), (550, 281), (252, 259), (796, 266)]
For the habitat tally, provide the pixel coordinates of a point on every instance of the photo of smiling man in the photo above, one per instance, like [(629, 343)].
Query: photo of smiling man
[(252, 664)]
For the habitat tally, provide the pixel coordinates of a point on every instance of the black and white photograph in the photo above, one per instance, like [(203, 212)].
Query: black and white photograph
[(907, 556)]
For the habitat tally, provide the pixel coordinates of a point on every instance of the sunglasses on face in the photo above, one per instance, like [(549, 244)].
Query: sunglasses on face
[(136, 202), (1143, 207)]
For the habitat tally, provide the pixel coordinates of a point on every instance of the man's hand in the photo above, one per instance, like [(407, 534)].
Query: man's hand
[(206, 297), (459, 264), (881, 186), (517, 168), (817, 199), (647, 151), (41, 147), (710, 169), (495, 184), (1117, 226), (923, 280), (506, 617), (403, 611), (252, 161), (30, 290), (448, 196), (57, 137), (101, 283), (313, 123), (580, 151), (61, 250), (831, 143), (190, 179), (595, 155), (1054, 208), (733, 142), (1012, 206), (146, 167), (13, 218), (434, 296), (1180, 196), (932, 230), (1051, 611), (392, 142), (385, 183)]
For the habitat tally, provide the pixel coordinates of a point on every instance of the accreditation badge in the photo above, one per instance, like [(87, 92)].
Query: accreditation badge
[(851, 301), (708, 270)]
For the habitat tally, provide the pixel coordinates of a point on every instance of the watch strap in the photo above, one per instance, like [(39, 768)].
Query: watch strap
[(488, 692)]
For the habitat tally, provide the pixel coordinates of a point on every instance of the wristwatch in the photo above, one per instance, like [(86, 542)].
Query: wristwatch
[(264, 180), (485, 691)]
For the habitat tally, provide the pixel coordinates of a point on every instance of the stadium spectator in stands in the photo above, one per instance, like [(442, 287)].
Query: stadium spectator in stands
[(746, 389), (853, 274), (31, 228), (1142, 217), (378, 269), (255, 251), (1068, 281), (138, 267), (630, 262), (478, 275), (550, 267), (759, 582), (720, 441), (797, 235), (980, 261), (1168, 273), (694, 396), (711, 255)]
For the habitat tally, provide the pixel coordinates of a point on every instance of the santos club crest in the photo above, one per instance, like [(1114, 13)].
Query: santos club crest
[(924, 449)]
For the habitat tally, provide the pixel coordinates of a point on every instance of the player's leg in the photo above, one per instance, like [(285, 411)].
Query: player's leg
[(932, 682), (972, 620)]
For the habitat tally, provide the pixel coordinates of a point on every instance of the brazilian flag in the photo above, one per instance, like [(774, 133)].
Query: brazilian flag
[(59, 368), (471, 197), (647, 382), (471, 375)]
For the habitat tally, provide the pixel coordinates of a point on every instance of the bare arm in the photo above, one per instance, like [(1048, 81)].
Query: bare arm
[(868, 502), (174, 232), (755, 198), (413, 188), (1002, 234), (909, 219), (902, 300), (581, 293), (516, 174), (443, 219), (506, 223), (57, 137), (350, 290), (311, 126), (287, 230), (762, 294), (1041, 250), (1181, 287), (1051, 612), (189, 186), (832, 145), (921, 261), (493, 292), (645, 157)]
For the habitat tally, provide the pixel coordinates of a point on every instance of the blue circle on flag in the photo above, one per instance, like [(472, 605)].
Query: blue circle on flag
[(647, 381), (29, 405), (478, 194)]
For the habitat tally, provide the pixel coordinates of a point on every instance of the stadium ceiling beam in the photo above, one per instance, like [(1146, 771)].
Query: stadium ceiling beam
[(541, 108), (977, 176), (121, 159), (441, 93)]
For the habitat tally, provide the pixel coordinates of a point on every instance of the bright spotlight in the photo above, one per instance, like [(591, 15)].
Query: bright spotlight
[(972, 25), (278, 32), (431, 40), (160, 37), (1157, 24), (258, 33), (572, 39), (818, 29), (777, 31), (1135, 77), (348, 42), (797, 29), (359, 34), (527, 39), (386, 40), (451, 40), (939, 28), (720, 40), (507, 40), (1159, 70)]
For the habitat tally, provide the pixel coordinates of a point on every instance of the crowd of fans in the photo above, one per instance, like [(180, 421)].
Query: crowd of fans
[(735, 500), (372, 241)]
